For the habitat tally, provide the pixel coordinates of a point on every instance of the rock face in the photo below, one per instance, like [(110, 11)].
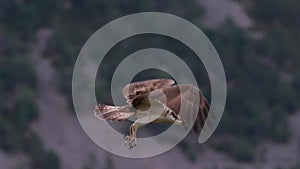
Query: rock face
[(58, 128), (216, 12), (7, 161), (62, 133)]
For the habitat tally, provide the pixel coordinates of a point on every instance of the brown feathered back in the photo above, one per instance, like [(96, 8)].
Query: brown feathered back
[(135, 89)]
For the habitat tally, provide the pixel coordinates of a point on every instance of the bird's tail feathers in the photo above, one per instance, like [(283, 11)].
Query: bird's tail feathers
[(107, 112)]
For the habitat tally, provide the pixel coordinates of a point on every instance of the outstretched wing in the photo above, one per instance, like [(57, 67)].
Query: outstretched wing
[(133, 90), (192, 105)]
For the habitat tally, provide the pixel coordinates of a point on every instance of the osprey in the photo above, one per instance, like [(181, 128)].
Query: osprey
[(156, 101)]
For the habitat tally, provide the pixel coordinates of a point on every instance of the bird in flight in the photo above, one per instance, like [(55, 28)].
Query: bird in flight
[(157, 101)]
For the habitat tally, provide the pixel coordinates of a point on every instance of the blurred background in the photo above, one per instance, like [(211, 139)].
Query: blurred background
[(257, 43)]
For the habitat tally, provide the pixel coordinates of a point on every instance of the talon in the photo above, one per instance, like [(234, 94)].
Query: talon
[(127, 138), (130, 142), (133, 144)]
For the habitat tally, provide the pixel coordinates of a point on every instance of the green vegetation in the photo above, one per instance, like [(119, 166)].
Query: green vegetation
[(18, 108), (26, 109), (109, 163), (18, 104), (262, 73), (296, 167), (18, 84), (259, 100), (40, 158), (188, 150)]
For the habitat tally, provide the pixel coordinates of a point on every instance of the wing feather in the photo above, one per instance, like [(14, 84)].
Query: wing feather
[(189, 100), (133, 90)]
